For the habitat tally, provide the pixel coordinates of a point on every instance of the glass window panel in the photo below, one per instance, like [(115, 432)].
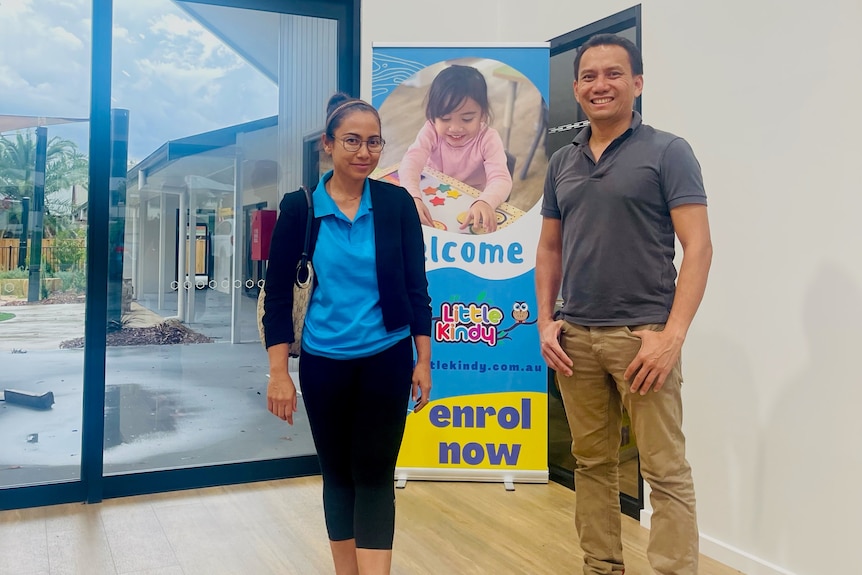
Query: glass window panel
[(44, 108), (186, 374)]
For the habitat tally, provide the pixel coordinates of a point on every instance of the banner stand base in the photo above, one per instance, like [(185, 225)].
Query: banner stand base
[(507, 477)]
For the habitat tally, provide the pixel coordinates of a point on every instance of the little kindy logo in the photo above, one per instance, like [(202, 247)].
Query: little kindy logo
[(461, 322)]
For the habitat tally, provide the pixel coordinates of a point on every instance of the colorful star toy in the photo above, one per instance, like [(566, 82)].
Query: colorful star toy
[(454, 194), (438, 201), (444, 187), (429, 191)]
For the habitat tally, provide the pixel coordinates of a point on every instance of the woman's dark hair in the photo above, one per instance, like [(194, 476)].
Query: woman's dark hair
[(339, 106), (451, 87), (635, 58)]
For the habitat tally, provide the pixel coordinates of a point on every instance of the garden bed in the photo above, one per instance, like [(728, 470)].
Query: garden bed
[(165, 333)]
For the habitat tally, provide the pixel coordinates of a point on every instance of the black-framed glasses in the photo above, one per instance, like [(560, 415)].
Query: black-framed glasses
[(352, 144)]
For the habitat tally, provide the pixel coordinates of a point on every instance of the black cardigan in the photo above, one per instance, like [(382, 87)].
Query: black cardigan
[(400, 252)]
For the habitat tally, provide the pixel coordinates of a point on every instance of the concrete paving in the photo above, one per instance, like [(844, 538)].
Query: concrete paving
[(40, 326), (166, 406)]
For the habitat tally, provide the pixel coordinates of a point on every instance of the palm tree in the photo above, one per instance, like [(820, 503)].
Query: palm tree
[(66, 172), (65, 167)]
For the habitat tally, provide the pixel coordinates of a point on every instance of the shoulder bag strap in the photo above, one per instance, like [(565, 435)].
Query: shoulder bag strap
[(303, 269)]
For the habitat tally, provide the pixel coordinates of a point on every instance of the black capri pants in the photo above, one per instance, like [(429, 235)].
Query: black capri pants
[(357, 409)]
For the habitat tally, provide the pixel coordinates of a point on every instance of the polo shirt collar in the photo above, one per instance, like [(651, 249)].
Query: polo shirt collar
[(325, 206), (583, 137)]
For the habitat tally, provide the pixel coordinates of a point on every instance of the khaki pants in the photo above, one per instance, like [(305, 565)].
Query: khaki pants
[(593, 397)]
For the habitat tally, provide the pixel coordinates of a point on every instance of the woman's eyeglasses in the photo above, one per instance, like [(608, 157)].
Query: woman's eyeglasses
[(352, 144)]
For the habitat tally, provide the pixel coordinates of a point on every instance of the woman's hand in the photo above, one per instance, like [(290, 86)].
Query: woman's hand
[(421, 385), (481, 215), (424, 213), (281, 396)]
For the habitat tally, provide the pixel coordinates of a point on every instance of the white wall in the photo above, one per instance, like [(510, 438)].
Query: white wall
[(768, 94)]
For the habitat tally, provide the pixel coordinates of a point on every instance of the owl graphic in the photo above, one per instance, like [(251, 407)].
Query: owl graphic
[(520, 311)]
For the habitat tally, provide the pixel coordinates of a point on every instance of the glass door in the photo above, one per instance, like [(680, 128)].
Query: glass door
[(44, 183), (128, 280), (209, 139)]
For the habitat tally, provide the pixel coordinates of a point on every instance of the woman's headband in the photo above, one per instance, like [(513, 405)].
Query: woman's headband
[(343, 106)]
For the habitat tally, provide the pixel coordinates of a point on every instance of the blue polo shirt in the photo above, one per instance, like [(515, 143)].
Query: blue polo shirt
[(344, 319)]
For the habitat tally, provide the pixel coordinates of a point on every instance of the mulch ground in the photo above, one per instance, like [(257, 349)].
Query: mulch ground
[(165, 333), (54, 298)]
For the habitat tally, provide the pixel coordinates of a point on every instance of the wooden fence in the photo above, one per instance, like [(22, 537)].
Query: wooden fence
[(9, 254), (9, 248)]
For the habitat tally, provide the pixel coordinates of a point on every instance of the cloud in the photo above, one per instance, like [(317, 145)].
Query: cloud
[(65, 39), (174, 76), (43, 70), (185, 40), (14, 8), (176, 25), (180, 78)]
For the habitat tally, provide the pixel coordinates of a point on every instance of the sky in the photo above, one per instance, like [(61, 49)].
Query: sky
[(175, 78)]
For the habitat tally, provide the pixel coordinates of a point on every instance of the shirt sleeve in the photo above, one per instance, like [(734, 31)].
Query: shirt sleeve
[(550, 207), (284, 252), (410, 169), (681, 178), (498, 180), (413, 243)]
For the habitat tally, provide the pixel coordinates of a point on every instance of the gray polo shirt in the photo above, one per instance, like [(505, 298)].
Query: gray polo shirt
[(618, 237)]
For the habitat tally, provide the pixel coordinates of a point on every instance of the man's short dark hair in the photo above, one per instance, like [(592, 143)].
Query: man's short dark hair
[(635, 58)]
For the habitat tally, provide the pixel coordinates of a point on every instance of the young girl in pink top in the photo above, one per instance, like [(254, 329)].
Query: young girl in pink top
[(457, 141)]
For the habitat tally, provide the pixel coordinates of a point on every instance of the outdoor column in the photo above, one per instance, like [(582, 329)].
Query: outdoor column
[(25, 233), (139, 241), (117, 214), (236, 294), (35, 282), (193, 253), (182, 227), (163, 261), (140, 251)]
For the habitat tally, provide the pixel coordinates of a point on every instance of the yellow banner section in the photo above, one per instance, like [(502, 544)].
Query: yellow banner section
[(505, 430)]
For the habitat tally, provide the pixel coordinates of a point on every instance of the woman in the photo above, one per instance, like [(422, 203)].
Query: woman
[(356, 367)]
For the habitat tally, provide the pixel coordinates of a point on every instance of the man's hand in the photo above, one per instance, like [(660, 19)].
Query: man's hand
[(658, 355), (549, 338)]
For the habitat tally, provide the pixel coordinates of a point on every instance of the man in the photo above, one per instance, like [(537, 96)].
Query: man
[(613, 201)]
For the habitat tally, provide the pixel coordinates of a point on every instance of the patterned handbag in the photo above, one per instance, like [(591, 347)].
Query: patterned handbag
[(302, 286)]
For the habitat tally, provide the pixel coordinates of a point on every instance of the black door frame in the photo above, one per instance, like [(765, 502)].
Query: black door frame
[(93, 486)]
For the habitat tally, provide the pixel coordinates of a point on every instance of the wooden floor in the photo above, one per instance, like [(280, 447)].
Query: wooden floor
[(277, 527)]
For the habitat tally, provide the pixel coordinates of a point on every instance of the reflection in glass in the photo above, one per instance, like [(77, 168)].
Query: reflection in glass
[(43, 228), (210, 155)]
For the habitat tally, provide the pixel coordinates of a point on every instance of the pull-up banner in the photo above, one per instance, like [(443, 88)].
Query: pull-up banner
[(487, 420)]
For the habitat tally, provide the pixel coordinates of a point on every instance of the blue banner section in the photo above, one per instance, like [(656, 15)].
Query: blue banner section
[(484, 334)]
